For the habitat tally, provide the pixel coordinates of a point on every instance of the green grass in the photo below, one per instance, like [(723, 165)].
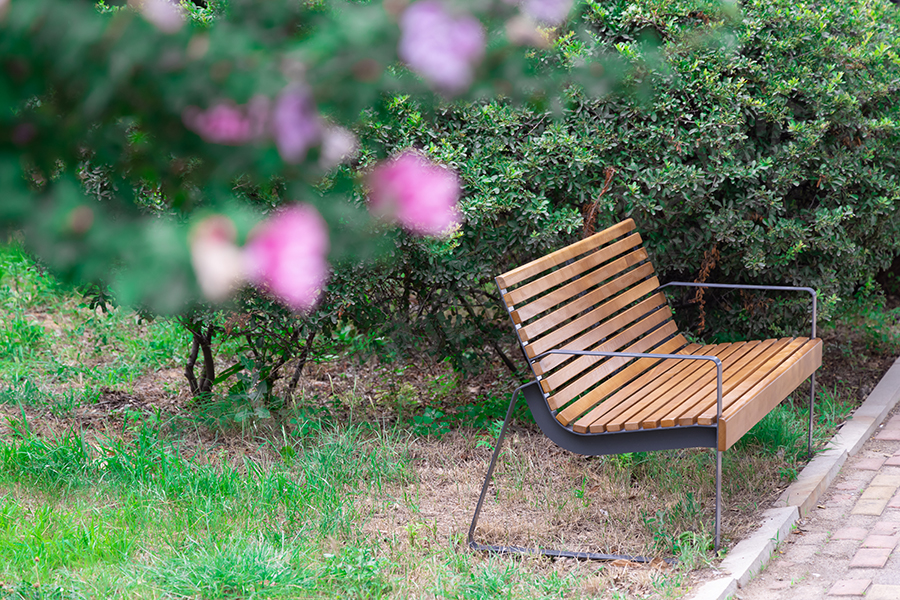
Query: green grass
[(56, 351), (217, 530), (85, 518), (784, 432)]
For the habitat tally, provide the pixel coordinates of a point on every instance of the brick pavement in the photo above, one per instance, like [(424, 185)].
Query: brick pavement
[(847, 546)]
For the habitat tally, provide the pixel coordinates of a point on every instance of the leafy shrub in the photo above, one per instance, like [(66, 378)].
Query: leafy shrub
[(763, 154)]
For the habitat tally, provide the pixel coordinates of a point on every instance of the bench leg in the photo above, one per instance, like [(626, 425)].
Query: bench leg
[(718, 500), (812, 400), (518, 549)]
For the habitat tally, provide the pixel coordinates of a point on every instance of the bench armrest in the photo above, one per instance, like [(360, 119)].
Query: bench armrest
[(714, 359), (733, 286)]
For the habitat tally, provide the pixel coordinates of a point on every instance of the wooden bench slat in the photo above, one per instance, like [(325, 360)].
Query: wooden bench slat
[(655, 403), (769, 393), (579, 386), (704, 412), (620, 330), (643, 369), (697, 371), (686, 411), (625, 399), (589, 300), (558, 257), (653, 414), (790, 353), (576, 269), (580, 287), (618, 326), (558, 337)]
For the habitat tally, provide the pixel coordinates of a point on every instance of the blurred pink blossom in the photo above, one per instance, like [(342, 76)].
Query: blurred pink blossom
[(441, 47), (296, 126), (166, 15), (548, 12), (287, 254), (338, 145), (259, 110), (222, 124), (418, 193), (217, 261)]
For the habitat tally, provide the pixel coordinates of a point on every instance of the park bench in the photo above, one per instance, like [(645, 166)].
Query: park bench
[(612, 373)]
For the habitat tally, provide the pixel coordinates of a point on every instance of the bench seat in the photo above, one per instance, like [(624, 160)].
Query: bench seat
[(602, 294)]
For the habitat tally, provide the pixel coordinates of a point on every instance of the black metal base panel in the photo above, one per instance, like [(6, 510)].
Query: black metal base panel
[(597, 444)]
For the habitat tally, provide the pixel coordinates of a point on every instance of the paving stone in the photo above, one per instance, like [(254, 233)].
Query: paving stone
[(851, 533), (850, 587), (883, 592), (892, 434), (894, 502), (873, 500), (869, 506), (886, 528), (886, 480), (841, 499), (878, 492), (893, 461), (870, 558), (869, 464), (880, 541)]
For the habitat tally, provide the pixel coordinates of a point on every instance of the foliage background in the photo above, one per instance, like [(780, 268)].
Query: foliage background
[(759, 148)]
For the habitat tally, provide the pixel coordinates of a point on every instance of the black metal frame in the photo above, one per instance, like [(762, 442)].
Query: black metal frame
[(595, 444)]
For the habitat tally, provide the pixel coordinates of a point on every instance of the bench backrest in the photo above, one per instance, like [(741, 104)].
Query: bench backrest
[(601, 294)]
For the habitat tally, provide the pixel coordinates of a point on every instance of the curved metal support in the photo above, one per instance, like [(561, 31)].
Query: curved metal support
[(595, 445), (654, 433), (519, 549)]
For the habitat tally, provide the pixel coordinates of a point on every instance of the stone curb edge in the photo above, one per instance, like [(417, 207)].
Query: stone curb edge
[(752, 554)]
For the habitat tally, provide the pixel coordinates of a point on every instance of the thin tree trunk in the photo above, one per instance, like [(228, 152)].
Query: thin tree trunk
[(200, 343), (301, 362), (189, 367), (209, 366)]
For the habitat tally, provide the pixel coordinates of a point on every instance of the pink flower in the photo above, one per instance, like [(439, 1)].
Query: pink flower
[(287, 254), (222, 124), (420, 194), (217, 261), (549, 12), (338, 145), (295, 123), (166, 15), (259, 110), (440, 47)]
